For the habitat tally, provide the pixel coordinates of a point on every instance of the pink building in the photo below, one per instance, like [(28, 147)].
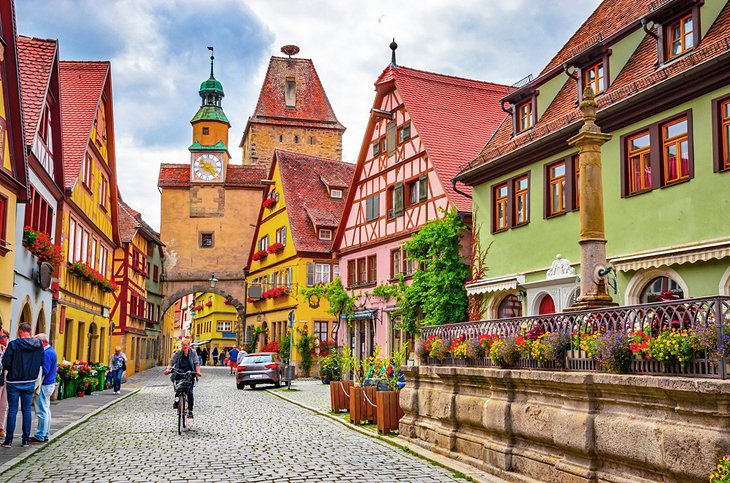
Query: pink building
[(423, 128)]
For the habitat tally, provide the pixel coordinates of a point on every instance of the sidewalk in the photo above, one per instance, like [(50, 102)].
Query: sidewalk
[(69, 412)]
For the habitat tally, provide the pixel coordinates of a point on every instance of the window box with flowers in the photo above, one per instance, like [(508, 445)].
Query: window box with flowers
[(276, 292), (209, 303), (276, 247), (250, 300), (198, 308), (39, 245), (259, 255), (269, 202), (88, 274)]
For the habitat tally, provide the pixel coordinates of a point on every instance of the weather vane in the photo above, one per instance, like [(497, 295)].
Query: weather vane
[(211, 60)]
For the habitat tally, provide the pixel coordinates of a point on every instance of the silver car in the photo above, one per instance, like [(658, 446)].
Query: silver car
[(259, 368)]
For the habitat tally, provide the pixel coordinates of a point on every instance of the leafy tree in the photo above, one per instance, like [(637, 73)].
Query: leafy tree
[(436, 295)]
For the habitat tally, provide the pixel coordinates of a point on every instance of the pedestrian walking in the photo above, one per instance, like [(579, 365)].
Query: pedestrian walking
[(215, 356), (43, 400), (4, 338), (233, 359), (225, 359), (117, 366), (204, 359), (23, 359)]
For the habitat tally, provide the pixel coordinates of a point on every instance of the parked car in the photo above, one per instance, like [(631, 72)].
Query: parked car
[(259, 368)]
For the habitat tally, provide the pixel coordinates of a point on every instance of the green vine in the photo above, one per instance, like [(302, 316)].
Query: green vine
[(395, 290), (341, 304), (257, 331), (305, 345), (436, 295), (284, 347)]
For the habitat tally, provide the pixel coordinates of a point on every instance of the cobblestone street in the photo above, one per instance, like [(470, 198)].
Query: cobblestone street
[(248, 435)]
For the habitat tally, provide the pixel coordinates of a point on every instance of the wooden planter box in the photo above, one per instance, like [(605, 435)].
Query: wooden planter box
[(361, 410), (339, 395), (389, 412)]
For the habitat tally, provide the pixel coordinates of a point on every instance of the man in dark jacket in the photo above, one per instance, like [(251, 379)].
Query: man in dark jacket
[(22, 359), (185, 360)]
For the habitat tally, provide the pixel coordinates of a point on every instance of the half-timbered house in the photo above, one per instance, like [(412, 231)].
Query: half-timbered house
[(35, 222), (422, 128)]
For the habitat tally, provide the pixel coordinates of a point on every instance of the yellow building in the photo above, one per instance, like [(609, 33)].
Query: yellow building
[(168, 338), (13, 182), (214, 323), (88, 223), (292, 246), (136, 316)]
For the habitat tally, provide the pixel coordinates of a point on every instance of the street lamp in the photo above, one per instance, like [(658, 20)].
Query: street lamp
[(212, 280)]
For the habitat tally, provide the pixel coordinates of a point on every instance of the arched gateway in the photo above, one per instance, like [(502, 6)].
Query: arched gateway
[(209, 209)]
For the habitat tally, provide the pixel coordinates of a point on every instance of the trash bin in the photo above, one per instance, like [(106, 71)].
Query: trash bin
[(289, 373)]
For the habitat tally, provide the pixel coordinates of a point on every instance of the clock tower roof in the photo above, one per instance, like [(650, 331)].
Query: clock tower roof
[(211, 94)]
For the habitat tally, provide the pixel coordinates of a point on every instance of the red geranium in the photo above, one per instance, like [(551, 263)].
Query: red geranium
[(259, 255), (276, 248), (269, 202)]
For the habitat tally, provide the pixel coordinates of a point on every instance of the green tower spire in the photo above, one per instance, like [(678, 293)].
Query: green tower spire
[(211, 94)]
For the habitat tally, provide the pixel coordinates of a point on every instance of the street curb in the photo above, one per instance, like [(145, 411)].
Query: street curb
[(34, 449), (433, 458)]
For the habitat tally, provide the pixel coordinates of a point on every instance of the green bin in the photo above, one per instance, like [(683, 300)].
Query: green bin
[(100, 378), (60, 394), (69, 388)]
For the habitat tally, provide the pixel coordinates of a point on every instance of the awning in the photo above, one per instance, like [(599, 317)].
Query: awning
[(700, 252), (497, 284), (199, 342), (361, 314)]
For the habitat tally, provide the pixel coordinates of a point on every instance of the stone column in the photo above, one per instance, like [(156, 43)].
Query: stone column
[(593, 291)]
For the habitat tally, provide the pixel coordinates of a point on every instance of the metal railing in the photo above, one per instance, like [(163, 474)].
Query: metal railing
[(651, 318)]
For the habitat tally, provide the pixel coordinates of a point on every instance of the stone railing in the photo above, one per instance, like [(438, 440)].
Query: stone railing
[(568, 426), (707, 313)]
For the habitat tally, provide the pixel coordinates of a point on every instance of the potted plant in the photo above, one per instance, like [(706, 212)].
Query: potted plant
[(388, 410), (340, 390), (330, 367), (362, 397)]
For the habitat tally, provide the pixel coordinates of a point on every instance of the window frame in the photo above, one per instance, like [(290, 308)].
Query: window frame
[(280, 235), (263, 243), (675, 141), (656, 155), (532, 100), (405, 128), (372, 269), (321, 234), (336, 190), (374, 201), (496, 228), (3, 224), (511, 202), (396, 253), (663, 46), (572, 186), (212, 239), (720, 142), (515, 204), (602, 63), (552, 181)]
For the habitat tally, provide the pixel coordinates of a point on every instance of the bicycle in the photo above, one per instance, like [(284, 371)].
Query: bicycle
[(181, 394)]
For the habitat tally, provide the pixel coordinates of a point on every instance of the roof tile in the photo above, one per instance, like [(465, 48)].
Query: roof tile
[(35, 61)]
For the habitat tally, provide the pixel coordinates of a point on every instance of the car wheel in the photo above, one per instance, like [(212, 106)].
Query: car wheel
[(240, 385), (278, 381), (253, 386)]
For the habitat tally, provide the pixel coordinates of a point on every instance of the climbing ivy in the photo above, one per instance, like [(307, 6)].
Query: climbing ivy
[(341, 304), (436, 295)]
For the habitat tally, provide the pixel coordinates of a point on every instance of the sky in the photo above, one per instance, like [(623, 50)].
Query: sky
[(159, 58)]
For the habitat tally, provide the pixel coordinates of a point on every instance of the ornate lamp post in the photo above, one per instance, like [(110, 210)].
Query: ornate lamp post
[(593, 290)]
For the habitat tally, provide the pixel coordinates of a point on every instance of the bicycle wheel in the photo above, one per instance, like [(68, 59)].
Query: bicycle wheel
[(184, 406), (180, 416)]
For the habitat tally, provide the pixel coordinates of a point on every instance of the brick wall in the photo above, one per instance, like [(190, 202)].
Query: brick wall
[(262, 139)]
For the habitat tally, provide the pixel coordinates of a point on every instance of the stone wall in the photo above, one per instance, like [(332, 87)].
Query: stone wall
[(262, 139), (569, 427)]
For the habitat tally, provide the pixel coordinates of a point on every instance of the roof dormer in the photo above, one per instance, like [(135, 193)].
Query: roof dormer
[(675, 24)]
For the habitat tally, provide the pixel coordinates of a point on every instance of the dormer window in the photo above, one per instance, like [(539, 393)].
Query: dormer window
[(336, 194), (594, 77), (325, 234), (525, 116), (680, 36), (290, 93)]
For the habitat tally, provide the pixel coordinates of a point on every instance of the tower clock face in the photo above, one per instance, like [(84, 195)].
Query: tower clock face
[(207, 167)]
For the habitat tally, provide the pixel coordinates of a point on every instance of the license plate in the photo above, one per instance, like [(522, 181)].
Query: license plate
[(257, 376)]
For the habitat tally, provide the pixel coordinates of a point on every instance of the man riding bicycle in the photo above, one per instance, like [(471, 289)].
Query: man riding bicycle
[(183, 361)]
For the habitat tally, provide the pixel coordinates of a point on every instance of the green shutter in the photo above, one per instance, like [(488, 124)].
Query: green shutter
[(398, 199), (391, 138), (422, 188)]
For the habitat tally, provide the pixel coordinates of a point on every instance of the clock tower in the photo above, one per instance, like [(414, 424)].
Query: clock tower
[(209, 152)]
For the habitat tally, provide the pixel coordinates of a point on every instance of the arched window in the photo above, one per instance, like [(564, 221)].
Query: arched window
[(509, 307), (661, 289)]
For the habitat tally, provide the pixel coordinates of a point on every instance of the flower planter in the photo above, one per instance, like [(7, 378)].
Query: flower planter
[(69, 388), (389, 412), (80, 393), (325, 380), (340, 395), (100, 380), (362, 404)]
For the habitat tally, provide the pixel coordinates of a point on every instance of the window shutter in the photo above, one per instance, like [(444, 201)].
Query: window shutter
[(398, 199), (391, 138), (283, 236), (310, 274), (422, 188), (289, 277)]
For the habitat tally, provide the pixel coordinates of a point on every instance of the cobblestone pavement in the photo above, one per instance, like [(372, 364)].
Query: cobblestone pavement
[(310, 392), (239, 436)]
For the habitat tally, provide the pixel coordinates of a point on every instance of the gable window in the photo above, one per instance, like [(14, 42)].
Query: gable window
[(418, 190), (525, 116), (556, 188), (404, 133), (156, 274), (376, 148), (657, 156), (325, 234), (679, 36), (511, 203), (86, 171), (721, 133), (263, 243), (290, 93), (103, 192), (281, 138), (281, 235), (206, 240), (336, 194), (594, 77), (39, 213), (372, 208), (675, 142), (390, 136), (395, 200)]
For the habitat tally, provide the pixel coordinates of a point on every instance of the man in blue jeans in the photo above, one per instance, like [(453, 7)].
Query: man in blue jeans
[(43, 400), (22, 359)]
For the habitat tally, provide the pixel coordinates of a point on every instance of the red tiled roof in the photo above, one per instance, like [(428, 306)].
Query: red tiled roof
[(455, 118), (35, 61), (178, 175), (637, 75), (82, 84), (312, 105), (306, 196)]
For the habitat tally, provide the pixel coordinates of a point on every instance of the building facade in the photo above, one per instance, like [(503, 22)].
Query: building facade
[(87, 222), (137, 319), (666, 106), (411, 149), (40, 93), (13, 178), (292, 248), (214, 323)]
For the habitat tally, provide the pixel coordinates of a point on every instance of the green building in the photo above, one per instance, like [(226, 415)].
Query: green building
[(660, 72)]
